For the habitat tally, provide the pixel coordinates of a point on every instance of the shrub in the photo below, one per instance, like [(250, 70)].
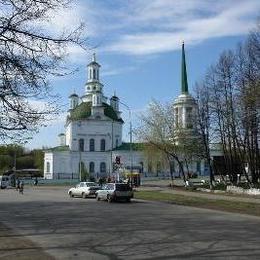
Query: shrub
[(220, 186)]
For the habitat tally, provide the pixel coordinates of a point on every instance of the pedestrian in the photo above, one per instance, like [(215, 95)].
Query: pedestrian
[(21, 186), (17, 184)]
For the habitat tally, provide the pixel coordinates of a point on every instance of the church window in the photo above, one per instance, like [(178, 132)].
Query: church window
[(102, 145), (97, 74), (74, 103), (176, 118), (48, 166), (91, 145), (81, 145), (103, 167), (94, 74), (189, 117), (91, 167)]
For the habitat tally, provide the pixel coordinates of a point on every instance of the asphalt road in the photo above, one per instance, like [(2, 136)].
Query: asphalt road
[(57, 226)]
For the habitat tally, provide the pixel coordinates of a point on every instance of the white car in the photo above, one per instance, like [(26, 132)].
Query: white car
[(84, 189), (115, 191)]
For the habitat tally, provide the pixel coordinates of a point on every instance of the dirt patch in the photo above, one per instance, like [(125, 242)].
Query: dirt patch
[(14, 246)]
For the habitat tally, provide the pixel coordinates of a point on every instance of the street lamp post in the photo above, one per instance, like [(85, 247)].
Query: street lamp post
[(112, 144), (80, 166), (131, 140)]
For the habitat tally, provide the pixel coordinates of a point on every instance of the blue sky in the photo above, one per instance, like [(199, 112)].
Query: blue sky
[(138, 44)]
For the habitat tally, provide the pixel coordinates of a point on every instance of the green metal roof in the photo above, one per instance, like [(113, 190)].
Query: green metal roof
[(184, 80), (59, 148), (94, 63), (135, 147), (73, 95), (83, 111)]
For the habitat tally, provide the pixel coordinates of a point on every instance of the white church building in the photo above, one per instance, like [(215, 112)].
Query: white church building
[(93, 134)]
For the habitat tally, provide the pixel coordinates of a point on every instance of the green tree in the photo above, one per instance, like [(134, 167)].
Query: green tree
[(38, 157), (25, 162)]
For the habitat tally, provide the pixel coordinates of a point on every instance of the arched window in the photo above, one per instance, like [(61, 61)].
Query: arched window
[(189, 117), (48, 167), (102, 145), (74, 103), (103, 167), (94, 74), (176, 117), (91, 167), (91, 145), (81, 145)]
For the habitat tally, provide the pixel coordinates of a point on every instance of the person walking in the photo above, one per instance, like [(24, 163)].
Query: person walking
[(21, 186), (17, 184)]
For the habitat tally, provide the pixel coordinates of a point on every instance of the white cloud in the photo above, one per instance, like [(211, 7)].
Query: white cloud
[(144, 28), (108, 71)]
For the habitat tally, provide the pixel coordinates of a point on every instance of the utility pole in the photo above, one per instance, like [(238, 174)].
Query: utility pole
[(131, 140), (80, 165), (112, 144)]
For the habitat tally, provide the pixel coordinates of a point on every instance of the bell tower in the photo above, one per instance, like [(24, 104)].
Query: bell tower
[(93, 84), (93, 70), (185, 106)]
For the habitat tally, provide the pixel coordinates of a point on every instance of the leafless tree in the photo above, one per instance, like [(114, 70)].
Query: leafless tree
[(29, 55), (232, 86), (204, 123), (157, 131)]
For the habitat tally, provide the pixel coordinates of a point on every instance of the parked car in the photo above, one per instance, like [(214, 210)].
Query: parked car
[(84, 189), (4, 182), (115, 191)]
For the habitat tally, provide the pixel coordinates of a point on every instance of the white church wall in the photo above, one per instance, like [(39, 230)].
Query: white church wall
[(97, 158), (62, 164), (48, 166), (96, 130), (117, 134), (68, 134)]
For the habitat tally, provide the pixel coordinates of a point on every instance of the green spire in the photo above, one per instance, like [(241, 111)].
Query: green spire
[(184, 81)]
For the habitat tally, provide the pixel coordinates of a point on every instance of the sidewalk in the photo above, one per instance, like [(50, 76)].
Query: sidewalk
[(163, 186)]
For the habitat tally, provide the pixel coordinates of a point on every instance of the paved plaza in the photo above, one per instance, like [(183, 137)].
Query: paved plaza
[(46, 223)]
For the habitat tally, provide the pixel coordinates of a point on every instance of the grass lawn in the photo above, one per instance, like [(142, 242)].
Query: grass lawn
[(224, 205)]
